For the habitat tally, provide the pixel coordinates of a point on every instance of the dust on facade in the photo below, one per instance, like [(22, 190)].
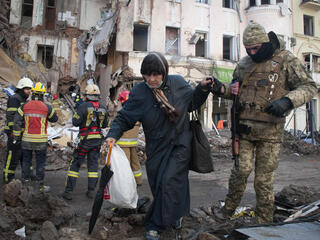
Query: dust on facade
[(77, 40)]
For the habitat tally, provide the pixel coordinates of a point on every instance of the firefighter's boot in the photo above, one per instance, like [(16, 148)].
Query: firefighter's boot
[(71, 183), (90, 193)]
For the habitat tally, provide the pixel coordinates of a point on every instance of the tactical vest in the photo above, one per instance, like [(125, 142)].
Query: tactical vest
[(94, 121), (263, 85)]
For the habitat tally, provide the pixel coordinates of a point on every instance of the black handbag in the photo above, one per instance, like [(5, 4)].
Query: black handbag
[(201, 160)]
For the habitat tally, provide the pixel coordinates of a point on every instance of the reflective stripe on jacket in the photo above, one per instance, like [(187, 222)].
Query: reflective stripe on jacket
[(91, 117), (129, 138), (14, 102)]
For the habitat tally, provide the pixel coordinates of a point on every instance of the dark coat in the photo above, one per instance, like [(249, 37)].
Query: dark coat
[(167, 145)]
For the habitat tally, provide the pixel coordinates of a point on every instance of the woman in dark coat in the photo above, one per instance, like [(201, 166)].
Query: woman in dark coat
[(161, 103)]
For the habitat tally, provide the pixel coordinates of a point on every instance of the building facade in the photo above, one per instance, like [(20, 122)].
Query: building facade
[(306, 46), (198, 37)]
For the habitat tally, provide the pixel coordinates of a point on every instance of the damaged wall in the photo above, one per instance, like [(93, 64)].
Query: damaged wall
[(61, 50), (124, 41), (90, 13), (15, 13)]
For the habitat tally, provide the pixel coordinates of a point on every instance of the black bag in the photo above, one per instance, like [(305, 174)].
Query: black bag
[(201, 160)]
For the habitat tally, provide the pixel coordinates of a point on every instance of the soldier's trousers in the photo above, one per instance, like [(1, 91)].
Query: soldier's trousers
[(131, 153), (266, 161), (79, 155), (13, 157)]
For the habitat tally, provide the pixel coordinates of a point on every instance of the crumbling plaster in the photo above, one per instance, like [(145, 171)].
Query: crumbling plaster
[(90, 13)]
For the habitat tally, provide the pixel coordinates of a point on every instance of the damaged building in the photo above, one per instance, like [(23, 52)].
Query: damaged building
[(107, 40)]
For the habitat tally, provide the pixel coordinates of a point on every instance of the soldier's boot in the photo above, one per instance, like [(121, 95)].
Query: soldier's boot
[(223, 214), (67, 193)]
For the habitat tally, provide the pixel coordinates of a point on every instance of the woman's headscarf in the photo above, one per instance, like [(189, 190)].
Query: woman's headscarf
[(155, 62)]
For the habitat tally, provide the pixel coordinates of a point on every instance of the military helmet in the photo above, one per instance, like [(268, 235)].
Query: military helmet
[(38, 88), (24, 83), (92, 89), (254, 33)]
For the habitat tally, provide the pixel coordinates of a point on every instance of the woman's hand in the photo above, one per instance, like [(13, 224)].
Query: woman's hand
[(110, 141)]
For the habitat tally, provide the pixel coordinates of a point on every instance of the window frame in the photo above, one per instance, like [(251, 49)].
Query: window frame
[(310, 25), (206, 44), (147, 28), (177, 40)]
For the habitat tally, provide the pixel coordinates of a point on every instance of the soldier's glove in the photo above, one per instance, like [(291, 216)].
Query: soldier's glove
[(217, 86), (279, 107)]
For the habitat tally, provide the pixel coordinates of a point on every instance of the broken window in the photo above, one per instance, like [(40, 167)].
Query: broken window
[(265, 2), (312, 62), (230, 48), (308, 25), (203, 1), (228, 4), (50, 19), (252, 3), (201, 45), (140, 37), (45, 55), (279, 1), (26, 16), (172, 41)]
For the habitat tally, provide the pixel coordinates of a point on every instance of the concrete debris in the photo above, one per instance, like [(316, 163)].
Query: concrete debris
[(49, 231), (297, 145), (43, 213), (207, 236), (294, 195), (11, 193)]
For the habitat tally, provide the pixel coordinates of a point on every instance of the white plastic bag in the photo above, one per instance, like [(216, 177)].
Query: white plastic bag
[(122, 185)]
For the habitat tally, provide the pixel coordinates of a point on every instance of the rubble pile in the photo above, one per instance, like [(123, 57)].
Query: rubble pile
[(294, 195), (58, 158), (298, 145), (220, 144), (202, 224), (37, 213)]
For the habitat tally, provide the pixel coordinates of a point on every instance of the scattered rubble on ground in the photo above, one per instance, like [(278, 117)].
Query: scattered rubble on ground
[(297, 145), (45, 216)]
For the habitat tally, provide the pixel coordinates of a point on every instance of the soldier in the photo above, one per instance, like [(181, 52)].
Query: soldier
[(90, 117), (271, 81), (30, 127), (129, 142), (14, 156)]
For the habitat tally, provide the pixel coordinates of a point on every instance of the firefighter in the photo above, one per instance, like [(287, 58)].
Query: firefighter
[(128, 142), (56, 104), (14, 155), (90, 117), (30, 127)]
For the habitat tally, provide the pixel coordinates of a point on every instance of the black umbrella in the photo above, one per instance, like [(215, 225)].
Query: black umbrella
[(106, 174)]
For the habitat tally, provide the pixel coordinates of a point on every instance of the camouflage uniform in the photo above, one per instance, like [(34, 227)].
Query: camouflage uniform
[(264, 139)]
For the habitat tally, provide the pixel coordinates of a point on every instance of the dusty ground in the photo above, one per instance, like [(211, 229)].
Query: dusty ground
[(206, 189)]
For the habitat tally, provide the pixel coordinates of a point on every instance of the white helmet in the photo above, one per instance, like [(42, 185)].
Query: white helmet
[(24, 83), (92, 89)]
